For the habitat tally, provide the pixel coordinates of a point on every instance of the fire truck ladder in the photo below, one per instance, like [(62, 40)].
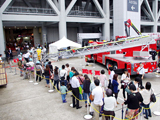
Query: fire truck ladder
[(106, 47)]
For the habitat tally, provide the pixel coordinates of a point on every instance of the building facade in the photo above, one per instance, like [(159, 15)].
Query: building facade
[(46, 21)]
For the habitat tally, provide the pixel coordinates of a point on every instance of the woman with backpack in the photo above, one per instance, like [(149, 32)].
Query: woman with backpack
[(133, 103), (146, 95)]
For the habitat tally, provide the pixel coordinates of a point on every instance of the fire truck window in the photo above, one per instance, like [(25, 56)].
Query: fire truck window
[(158, 44), (113, 52)]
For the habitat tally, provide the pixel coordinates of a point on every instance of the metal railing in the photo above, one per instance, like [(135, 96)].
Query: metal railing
[(29, 10), (144, 18), (81, 12)]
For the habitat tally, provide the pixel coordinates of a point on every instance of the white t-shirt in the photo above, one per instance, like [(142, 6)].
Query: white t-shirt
[(124, 76), (63, 72), (98, 95), (109, 103), (111, 76), (146, 94), (140, 70), (68, 69)]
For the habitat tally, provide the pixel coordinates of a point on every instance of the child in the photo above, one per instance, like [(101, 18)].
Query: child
[(20, 66), (63, 89)]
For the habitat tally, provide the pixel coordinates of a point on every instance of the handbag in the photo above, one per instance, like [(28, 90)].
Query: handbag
[(69, 87), (91, 97), (153, 97), (80, 90)]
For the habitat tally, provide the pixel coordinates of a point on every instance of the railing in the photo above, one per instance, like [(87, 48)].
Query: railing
[(81, 12), (144, 18), (29, 10)]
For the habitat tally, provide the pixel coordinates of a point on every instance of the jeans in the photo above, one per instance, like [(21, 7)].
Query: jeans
[(80, 95), (20, 71), (63, 97), (56, 82), (85, 96), (147, 109), (47, 79)]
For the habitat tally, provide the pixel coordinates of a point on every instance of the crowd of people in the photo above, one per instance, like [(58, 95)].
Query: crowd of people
[(101, 91)]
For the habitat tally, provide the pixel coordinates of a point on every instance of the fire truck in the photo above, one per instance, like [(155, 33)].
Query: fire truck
[(128, 56)]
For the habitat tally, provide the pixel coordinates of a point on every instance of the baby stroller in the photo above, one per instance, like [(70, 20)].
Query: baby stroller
[(28, 71)]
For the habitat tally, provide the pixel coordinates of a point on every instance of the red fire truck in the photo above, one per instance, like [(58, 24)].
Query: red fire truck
[(129, 57)]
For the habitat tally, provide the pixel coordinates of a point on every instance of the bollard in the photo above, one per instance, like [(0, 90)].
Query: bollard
[(157, 112), (71, 105), (31, 81), (141, 114), (10, 67), (50, 88), (35, 79), (15, 71), (88, 116)]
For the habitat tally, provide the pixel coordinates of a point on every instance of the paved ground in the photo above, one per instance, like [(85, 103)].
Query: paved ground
[(22, 100)]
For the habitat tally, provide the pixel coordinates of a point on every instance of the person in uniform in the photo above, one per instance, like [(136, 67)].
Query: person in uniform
[(141, 73)]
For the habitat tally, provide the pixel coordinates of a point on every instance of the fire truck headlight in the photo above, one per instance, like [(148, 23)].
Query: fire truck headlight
[(151, 63)]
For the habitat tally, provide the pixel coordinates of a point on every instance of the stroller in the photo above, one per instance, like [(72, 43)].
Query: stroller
[(28, 71)]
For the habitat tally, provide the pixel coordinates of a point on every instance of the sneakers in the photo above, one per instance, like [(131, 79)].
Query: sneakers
[(64, 101)]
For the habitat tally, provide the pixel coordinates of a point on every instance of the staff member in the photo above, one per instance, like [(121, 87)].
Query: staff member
[(141, 73), (75, 90)]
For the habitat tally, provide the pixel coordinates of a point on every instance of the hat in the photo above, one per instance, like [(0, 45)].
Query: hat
[(38, 62), (20, 58), (108, 92), (125, 70), (40, 47), (30, 59), (20, 53)]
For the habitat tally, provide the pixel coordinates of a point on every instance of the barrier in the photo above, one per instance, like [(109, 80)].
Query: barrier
[(51, 90), (156, 112), (36, 83), (87, 116), (30, 74), (15, 61), (10, 67)]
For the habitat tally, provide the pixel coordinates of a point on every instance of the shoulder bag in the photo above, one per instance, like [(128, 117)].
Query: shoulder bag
[(153, 97)]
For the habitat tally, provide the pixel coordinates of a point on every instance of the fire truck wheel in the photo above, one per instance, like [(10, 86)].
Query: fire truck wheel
[(107, 64), (115, 66)]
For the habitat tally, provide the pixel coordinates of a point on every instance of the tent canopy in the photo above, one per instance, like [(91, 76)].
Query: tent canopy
[(63, 43)]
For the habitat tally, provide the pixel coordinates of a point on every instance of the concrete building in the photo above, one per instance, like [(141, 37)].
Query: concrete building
[(49, 20)]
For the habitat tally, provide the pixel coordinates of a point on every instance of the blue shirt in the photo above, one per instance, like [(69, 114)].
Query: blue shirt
[(115, 86), (63, 89)]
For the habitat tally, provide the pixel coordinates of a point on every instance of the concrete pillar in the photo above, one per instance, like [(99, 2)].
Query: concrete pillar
[(106, 25), (62, 22), (44, 34), (2, 40), (80, 29), (37, 38), (155, 10), (122, 12)]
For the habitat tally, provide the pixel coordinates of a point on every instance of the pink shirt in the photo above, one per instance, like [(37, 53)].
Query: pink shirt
[(103, 77)]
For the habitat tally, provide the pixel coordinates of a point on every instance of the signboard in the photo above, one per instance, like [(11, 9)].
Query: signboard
[(132, 5)]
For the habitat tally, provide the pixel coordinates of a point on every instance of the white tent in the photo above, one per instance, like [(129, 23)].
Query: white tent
[(63, 43)]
